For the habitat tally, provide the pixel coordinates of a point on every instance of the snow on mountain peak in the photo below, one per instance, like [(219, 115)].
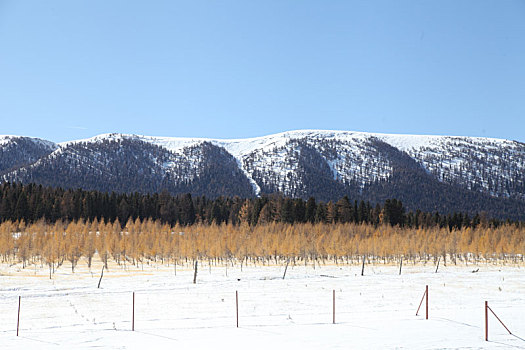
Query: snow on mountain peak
[(299, 163), (6, 139), (351, 156), (239, 147)]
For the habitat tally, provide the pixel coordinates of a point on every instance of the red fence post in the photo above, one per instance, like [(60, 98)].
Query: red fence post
[(333, 311), (133, 314), (497, 318), (237, 306), (426, 292), (18, 319), (486, 321), (421, 302)]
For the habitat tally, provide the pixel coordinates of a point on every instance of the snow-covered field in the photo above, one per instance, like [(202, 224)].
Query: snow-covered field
[(375, 311)]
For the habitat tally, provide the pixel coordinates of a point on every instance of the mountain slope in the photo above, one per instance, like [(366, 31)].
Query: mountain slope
[(444, 173), (128, 164), (419, 189), (17, 151)]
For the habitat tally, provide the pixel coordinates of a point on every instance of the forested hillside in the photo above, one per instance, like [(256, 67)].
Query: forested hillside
[(428, 173)]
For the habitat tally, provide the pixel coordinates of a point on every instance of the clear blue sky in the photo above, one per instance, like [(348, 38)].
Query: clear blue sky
[(232, 69)]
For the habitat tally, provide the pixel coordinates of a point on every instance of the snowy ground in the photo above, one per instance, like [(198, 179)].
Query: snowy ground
[(376, 311)]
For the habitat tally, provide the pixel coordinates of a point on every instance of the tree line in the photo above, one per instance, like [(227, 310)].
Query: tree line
[(138, 242), (31, 203)]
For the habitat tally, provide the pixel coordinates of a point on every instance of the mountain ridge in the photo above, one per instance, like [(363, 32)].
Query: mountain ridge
[(326, 164)]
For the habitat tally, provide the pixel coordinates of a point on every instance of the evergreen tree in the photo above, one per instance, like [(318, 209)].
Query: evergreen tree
[(299, 210), (320, 213), (311, 208), (187, 211), (344, 210), (287, 211)]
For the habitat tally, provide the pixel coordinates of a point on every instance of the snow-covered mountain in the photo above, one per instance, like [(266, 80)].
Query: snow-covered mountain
[(323, 164), (18, 151)]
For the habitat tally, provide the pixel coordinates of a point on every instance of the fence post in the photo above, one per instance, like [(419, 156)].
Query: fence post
[(487, 308), (426, 291), (486, 321), (333, 311), (237, 306), (133, 314), (425, 297), (18, 319)]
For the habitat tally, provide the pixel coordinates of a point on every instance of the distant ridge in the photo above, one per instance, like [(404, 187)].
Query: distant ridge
[(443, 173)]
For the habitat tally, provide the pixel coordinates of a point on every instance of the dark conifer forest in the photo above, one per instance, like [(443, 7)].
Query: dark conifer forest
[(30, 203)]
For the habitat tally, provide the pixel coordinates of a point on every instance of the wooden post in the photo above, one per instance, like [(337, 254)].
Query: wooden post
[(101, 275), (487, 309), (133, 314), (425, 297), (333, 306), (486, 321), (286, 268), (363, 267), (426, 292), (237, 306), (195, 272), (18, 320)]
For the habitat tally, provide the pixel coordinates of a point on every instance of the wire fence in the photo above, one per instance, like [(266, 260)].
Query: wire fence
[(184, 308)]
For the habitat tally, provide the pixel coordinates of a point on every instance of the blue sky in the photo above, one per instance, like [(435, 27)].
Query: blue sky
[(233, 69)]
